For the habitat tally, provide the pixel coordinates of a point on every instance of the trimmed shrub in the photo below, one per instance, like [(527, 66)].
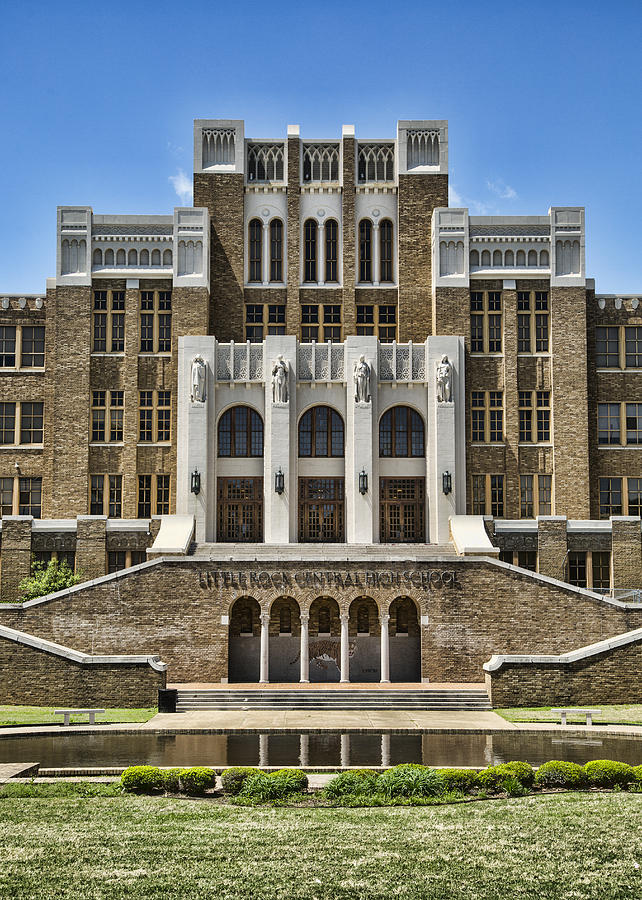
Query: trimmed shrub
[(354, 782), (410, 780), (514, 787), (234, 778), (559, 773), (196, 780), (637, 775), (493, 778), (463, 780), (281, 784), (171, 780), (142, 779), (607, 773)]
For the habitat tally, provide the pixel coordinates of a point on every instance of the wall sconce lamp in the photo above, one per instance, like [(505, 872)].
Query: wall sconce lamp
[(446, 483), (279, 481), (196, 482), (363, 482)]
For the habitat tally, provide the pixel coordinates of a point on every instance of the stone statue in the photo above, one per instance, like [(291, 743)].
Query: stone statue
[(361, 381), (198, 380), (444, 381), (280, 380)]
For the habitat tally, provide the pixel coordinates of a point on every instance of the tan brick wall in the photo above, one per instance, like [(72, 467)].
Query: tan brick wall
[(91, 543), (627, 552), (610, 677), (16, 555), (348, 204), (34, 678), (551, 547), (292, 310)]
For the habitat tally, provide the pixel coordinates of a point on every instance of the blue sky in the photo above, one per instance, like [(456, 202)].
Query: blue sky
[(544, 103)]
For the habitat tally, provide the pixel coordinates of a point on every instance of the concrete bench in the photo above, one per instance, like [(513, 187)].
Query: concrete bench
[(589, 713), (68, 713)]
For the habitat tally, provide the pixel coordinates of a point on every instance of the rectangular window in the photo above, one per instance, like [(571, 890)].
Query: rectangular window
[(526, 504), (601, 566), (117, 321), (634, 491), (610, 497), (487, 495), (365, 319), (163, 412), (106, 495), (633, 346), (276, 318), (478, 414), (31, 423), (30, 497), (33, 347), (6, 496), (486, 322), (487, 414), (155, 321), (479, 495), (98, 416), (109, 322), (309, 323), (331, 251), (7, 423), (543, 416), (116, 561), (541, 322), (162, 495), (535, 495), (525, 417), (254, 334), (607, 346), (387, 323), (153, 495), (545, 495), (144, 496), (107, 416), (577, 568), (497, 496), (97, 495), (116, 416), (532, 322), (527, 559), (7, 346), (608, 423), (146, 416), (254, 313), (115, 496), (154, 416), (634, 423)]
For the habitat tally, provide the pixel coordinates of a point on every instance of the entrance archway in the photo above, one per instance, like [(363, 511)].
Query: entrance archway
[(325, 640), (244, 640), (405, 640), (285, 640), (365, 640)]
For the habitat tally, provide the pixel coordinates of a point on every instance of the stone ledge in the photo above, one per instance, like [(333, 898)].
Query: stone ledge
[(498, 660)]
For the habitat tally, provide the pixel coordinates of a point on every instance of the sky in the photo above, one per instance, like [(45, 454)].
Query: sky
[(544, 103)]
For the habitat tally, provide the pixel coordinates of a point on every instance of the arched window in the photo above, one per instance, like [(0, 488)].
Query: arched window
[(543, 258), (402, 618), (98, 257), (245, 617), (485, 258), (109, 257), (121, 259), (144, 257), (324, 620), (132, 258), (385, 251), (363, 619), (509, 259), (256, 255), (276, 250), (401, 432), (520, 259), (497, 258), (365, 250), (285, 620), (474, 258), (310, 242), (321, 432), (167, 257), (240, 432), (532, 257), (156, 258), (331, 250)]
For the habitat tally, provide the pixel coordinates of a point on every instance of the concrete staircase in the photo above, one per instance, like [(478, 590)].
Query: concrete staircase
[(364, 699), (323, 553)]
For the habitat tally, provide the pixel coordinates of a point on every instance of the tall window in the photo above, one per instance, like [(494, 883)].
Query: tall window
[(309, 323), (486, 322), (7, 346), (331, 251), (254, 322), (154, 416), (532, 322), (607, 346), (240, 432), (487, 416), (619, 423), (21, 423), (633, 346), (385, 251), (153, 496), (155, 321), (402, 503), (487, 495), (310, 248), (321, 510), (109, 322), (321, 432), (106, 416), (365, 250), (401, 433), (611, 497), (276, 250), (256, 256), (106, 496), (332, 322), (537, 429), (535, 495)]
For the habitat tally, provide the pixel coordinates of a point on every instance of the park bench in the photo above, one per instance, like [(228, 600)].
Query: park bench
[(68, 713), (589, 713)]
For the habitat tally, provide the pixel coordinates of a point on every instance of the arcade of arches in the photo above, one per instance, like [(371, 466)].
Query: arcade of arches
[(323, 642)]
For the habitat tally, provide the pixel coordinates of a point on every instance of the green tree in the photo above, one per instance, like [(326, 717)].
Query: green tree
[(46, 578)]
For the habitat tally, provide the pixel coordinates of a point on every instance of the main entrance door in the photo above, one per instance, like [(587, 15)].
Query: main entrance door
[(321, 510), (402, 510), (240, 509)]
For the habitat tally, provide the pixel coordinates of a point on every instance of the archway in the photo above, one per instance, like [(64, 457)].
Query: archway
[(244, 650), (405, 640), (364, 633), (285, 640), (325, 640)]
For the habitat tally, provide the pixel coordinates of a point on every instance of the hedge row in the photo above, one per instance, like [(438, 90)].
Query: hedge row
[(408, 780)]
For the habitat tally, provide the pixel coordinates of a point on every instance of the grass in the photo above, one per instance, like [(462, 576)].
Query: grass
[(629, 714), (44, 715), (536, 848)]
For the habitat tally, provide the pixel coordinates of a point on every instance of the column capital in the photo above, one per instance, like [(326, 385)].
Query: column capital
[(304, 618), (265, 618), (344, 617), (384, 619)]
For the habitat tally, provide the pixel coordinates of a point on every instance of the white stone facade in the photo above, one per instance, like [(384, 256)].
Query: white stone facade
[(401, 375)]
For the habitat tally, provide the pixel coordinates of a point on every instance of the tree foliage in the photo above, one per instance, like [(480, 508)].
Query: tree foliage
[(46, 578)]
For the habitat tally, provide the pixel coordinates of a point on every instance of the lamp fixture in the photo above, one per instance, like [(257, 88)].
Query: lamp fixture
[(446, 483), (279, 481), (363, 482), (196, 482)]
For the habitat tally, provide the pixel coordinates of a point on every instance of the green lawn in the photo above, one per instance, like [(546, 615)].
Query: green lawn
[(583, 845), (44, 715), (611, 715)]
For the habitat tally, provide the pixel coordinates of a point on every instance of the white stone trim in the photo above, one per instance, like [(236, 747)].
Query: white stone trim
[(629, 637), (29, 640)]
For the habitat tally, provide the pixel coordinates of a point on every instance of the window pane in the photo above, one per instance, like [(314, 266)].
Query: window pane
[(7, 423), (606, 346), (33, 346), (610, 497), (7, 345), (608, 423)]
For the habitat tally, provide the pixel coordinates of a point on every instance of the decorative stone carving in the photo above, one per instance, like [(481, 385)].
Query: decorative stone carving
[(444, 381), (361, 377), (198, 380), (280, 371)]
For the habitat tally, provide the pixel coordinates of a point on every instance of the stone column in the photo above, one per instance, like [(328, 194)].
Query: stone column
[(320, 254), (265, 260), (305, 649), (385, 649), (280, 445), (345, 750), (385, 749), (265, 649), (361, 418), (304, 750), (552, 546), (264, 757), (375, 254), (345, 658)]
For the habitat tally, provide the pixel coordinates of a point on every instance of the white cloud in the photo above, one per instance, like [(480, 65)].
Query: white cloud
[(504, 191), (454, 197), (183, 187)]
